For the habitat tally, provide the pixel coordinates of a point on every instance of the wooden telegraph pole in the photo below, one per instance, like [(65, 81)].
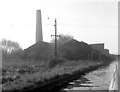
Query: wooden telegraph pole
[(55, 38)]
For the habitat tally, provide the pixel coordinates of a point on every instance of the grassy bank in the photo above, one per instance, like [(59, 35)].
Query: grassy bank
[(29, 73)]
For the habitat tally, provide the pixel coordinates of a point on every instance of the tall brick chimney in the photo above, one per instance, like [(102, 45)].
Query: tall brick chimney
[(39, 35)]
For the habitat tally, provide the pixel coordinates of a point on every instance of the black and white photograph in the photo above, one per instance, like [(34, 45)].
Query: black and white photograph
[(59, 46)]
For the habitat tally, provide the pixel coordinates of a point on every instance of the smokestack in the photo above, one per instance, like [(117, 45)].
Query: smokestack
[(39, 36)]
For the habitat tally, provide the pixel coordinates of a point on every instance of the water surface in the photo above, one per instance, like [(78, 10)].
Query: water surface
[(96, 80)]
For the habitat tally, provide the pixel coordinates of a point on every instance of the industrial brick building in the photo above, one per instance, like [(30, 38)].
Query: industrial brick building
[(100, 47)]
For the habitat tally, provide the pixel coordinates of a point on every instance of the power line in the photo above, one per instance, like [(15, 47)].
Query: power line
[(82, 25), (85, 23)]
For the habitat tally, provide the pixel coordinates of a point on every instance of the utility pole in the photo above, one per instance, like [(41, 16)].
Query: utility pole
[(55, 38)]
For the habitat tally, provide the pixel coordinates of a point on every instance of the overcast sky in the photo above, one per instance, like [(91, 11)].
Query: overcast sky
[(91, 21)]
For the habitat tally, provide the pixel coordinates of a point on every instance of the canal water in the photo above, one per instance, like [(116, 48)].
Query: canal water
[(96, 80)]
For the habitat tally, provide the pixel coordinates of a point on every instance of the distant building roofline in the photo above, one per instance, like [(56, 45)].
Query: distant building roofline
[(97, 44)]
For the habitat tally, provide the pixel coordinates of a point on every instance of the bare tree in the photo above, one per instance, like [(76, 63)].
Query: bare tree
[(10, 46), (62, 39)]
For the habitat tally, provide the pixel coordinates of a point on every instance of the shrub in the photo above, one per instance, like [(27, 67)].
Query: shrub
[(54, 62)]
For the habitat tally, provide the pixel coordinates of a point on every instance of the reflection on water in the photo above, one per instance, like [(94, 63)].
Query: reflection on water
[(96, 80)]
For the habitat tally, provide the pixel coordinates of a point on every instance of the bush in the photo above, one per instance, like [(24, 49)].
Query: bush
[(54, 62)]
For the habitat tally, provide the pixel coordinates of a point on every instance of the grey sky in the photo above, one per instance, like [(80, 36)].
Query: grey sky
[(90, 21)]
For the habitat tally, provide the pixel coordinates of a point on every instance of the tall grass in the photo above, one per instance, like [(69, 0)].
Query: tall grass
[(42, 71), (21, 63)]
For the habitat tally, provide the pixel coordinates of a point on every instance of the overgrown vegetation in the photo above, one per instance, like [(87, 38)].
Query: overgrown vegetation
[(17, 76)]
